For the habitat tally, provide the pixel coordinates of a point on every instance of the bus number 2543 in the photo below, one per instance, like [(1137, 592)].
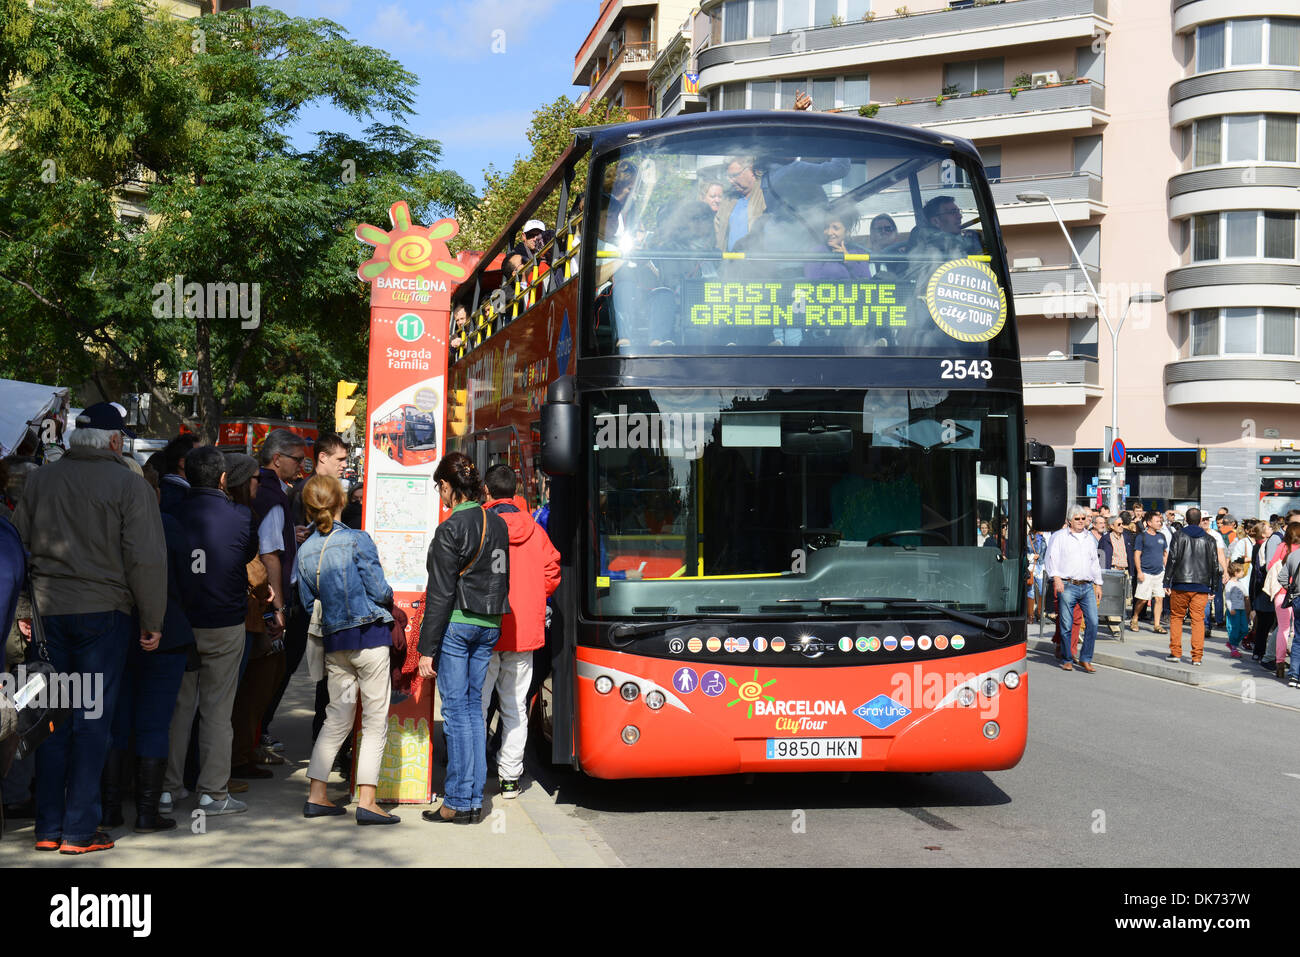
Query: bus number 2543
[(965, 369)]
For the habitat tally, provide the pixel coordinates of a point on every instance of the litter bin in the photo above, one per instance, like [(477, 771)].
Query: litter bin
[(1114, 596)]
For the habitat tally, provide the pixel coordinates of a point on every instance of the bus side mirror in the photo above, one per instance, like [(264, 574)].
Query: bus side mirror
[(561, 429), (1047, 488)]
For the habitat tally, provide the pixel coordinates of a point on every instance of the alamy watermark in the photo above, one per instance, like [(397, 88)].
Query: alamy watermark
[(212, 300), (81, 691), (686, 431), (1073, 299)]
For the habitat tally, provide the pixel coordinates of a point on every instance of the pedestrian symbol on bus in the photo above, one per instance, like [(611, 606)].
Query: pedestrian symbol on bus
[(685, 680), (713, 684)]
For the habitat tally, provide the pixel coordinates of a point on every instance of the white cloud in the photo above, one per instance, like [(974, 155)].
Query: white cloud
[(476, 29)]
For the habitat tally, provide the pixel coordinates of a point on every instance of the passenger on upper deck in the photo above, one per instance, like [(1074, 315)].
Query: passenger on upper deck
[(840, 221)]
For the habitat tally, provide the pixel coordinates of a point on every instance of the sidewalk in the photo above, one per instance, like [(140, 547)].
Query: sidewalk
[(530, 831), (1144, 652)]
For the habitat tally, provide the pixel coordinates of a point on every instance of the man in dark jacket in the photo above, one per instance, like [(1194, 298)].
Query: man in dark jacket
[(219, 535), (97, 555), (1191, 572), (173, 487)]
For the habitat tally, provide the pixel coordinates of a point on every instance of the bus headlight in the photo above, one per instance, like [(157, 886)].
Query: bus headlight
[(990, 687), (631, 734), (629, 691), (966, 697), (991, 730), (604, 684), (654, 700), (1011, 680)]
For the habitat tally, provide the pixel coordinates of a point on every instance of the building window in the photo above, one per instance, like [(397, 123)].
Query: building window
[(971, 75), (1205, 332), (992, 157), (1205, 237), (827, 92), (1244, 234), (1248, 42), (1209, 141), (825, 9), (1245, 138), (765, 12), (735, 20), (1246, 331)]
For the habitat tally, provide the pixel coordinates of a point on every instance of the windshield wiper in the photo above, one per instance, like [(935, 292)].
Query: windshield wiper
[(997, 628), (644, 628)]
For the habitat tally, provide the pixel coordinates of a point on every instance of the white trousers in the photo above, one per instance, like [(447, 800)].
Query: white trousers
[(510, 672), (351, 675)]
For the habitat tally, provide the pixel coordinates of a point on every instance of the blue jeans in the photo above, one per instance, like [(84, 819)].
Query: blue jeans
[(1085, 598), (462, 669), (69, 762), (146, 700)]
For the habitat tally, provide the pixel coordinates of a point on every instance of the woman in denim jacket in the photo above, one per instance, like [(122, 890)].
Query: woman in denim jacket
[(340, 567)]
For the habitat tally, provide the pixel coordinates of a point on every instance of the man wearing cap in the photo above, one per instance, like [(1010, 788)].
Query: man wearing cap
[(98, 555)]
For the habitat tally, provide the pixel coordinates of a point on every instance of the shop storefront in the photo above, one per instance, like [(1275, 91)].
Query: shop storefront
[(1158, 478), (1279, 483)]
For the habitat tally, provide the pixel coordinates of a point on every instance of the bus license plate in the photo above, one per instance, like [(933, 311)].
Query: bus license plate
[(785, 749)]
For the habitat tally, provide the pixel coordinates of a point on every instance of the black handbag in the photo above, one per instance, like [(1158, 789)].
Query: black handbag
[(39, 713)]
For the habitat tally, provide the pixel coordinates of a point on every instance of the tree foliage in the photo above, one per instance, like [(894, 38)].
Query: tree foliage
[(550, 133), (190, 119)]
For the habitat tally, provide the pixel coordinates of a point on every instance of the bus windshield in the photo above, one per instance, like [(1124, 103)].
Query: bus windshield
[(825, 242), (768, 502)]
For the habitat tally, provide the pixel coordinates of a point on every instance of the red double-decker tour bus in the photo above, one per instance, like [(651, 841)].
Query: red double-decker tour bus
[(772, 380), (407, 435)]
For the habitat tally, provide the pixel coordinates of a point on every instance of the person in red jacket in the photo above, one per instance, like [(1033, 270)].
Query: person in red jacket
[(534, 575)]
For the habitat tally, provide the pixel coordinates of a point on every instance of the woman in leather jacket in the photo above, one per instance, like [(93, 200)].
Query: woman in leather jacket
[(469, 581)]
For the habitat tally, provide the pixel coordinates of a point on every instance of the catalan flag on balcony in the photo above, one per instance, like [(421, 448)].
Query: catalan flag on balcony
[(690, 83)]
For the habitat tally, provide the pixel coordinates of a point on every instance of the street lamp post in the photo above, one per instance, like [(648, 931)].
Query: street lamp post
[(1146, 297)]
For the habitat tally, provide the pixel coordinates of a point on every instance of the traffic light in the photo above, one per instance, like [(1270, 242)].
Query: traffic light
[(457, 411), (343, 406)]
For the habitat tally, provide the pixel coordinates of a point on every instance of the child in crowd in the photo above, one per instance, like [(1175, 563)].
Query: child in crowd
[(1235, 598)]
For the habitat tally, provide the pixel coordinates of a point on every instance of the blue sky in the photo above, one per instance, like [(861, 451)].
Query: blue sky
[(475, 101)]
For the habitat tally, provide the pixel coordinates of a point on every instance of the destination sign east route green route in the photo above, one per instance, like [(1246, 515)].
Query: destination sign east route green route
[(790, 304)]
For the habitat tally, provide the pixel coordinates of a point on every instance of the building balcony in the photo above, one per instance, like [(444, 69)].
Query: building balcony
[(1059, 108), (676, 100), (1189, 14), (1224, 284), (632, 62), (1246, 186), (1055, 380), (1222, 92), (1246, 381), (1077, 197), (923, 34), (1053, 292)]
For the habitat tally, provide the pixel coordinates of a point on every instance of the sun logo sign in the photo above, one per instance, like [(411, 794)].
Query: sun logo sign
[(410, 249), (750, 691)]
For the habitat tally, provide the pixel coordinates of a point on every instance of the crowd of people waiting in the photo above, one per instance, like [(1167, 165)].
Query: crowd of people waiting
[(194, 586), (1220, 572)]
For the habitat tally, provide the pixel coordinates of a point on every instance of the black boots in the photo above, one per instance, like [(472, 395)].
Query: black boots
[(110, 790), (148, 789)]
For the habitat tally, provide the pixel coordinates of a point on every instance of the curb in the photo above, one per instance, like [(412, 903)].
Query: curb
[(574, 842), (1156, 668)]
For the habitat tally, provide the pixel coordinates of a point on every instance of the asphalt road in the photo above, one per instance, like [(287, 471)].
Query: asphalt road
[(1121, 770)]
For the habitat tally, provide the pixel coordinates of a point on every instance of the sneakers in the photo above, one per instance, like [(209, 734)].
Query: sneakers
[(509, 787), (52, 845), (1235, 653), (1172, 658), (227, 805), (1291, 683), (99, 842), (165, 803), (271, 743)]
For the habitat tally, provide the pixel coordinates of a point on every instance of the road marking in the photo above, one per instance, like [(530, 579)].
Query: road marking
[(1290, 775), (926, 817)]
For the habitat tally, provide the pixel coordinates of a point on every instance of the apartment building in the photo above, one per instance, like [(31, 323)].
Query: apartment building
[(1164, 133), (614, 60)]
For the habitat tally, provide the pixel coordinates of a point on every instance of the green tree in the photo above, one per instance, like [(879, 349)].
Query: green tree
[(191, 118), (549, 134)]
